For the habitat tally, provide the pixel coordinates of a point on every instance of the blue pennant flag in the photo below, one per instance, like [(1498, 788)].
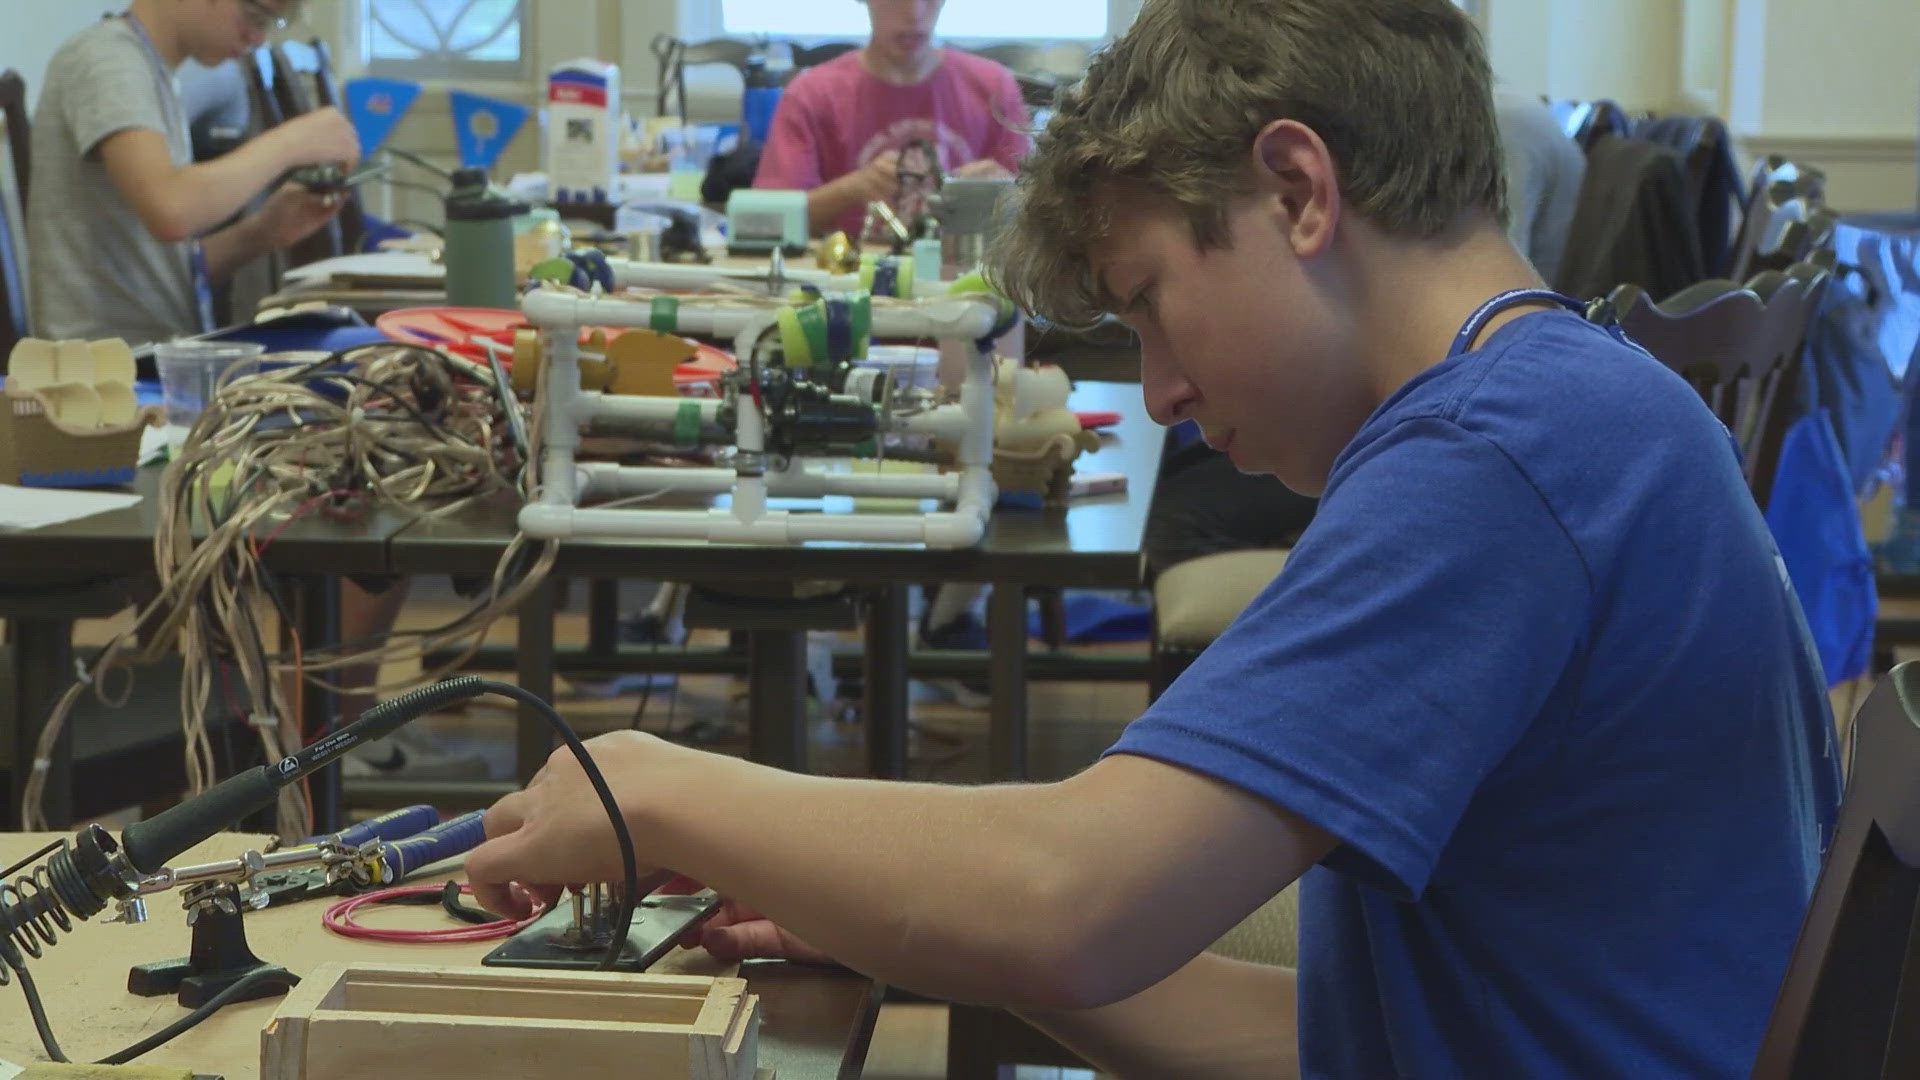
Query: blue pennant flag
[(375, 107), (483, 126)]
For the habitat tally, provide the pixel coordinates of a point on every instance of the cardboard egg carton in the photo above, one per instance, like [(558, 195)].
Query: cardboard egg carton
[(70, 416)]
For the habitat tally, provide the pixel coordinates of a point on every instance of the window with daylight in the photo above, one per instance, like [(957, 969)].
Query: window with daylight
[(444, 38), (994, 20)]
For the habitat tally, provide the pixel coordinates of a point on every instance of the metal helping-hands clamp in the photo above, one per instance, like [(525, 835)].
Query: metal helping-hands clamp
[(216, 896), (81, 878)]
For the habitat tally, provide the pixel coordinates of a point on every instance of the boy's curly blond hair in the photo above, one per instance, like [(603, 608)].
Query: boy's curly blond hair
[(1397, 89)]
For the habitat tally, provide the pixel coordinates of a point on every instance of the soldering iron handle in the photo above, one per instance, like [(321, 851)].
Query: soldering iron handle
[(456, 837), (377, 723), (151, 844), (394, 825)]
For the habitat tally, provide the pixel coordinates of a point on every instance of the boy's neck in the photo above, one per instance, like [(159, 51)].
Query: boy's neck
[(901, 70), (1433, 287), (158, 19)]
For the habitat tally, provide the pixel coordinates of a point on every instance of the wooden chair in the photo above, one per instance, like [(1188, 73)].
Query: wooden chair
[(13, 270), (1780, 189), (804, 57), (1587, 122), (1849, 1006), (675, 56), (1041, 70), (1736, 348), (13, 109)]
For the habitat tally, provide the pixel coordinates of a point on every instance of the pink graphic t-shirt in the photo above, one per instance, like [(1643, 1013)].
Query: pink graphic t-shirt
[(838, 116)]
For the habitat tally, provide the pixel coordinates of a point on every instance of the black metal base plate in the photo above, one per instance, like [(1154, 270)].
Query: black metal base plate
[(194, 990), (658, 923)]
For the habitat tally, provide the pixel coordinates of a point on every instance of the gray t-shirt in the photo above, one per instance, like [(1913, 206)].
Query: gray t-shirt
[(97, 271), (1544, 172)]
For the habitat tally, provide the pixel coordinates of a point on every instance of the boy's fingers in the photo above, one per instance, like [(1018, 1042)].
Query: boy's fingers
[(506, 816), (501, 897)]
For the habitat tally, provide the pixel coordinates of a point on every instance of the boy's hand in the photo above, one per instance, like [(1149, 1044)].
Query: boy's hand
[(322, 137), (878, 180), (556, 832), (292, 213), (984, 169), (737, 932)]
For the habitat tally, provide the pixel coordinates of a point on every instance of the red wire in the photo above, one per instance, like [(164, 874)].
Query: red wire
[(260, 546), (339, 919)]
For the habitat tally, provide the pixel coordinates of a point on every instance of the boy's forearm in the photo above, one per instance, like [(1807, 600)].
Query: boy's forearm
[(1011, 894), (211, 192), (950, 891), (233, 247), (1214, 1019), (827, 203)]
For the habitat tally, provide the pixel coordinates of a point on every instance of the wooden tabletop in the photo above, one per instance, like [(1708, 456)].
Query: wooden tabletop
[(816, 1022)]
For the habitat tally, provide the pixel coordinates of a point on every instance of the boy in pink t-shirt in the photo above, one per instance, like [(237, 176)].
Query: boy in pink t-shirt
[(841, 126)]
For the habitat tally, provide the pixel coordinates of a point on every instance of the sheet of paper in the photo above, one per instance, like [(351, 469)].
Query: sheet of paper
[(376, 264), (32, 508)]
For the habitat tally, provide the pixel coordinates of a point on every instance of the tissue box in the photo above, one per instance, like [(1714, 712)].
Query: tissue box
[(583, 136)]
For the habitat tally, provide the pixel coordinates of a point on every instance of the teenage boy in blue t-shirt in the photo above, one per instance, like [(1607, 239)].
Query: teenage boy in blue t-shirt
[(1532, 708)]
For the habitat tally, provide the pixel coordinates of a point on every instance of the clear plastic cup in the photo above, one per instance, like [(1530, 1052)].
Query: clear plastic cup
[(189, 371)]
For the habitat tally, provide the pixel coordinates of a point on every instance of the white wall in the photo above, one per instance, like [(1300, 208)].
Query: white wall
[(1833, 82), (35, 30)]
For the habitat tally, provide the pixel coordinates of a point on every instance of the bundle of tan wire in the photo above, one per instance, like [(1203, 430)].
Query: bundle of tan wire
[(395, 425)]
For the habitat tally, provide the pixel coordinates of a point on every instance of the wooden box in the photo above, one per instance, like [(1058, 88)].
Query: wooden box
[(434, 1023)]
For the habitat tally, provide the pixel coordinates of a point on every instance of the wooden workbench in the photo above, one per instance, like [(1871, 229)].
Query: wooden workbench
[(816, 1021)]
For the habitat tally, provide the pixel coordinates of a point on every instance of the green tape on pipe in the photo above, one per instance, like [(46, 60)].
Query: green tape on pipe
[(793, 339), (813, 323), (686, 424), (666, 314)]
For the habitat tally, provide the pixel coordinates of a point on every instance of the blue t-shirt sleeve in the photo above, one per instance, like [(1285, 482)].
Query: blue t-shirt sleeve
[(1420, 625)]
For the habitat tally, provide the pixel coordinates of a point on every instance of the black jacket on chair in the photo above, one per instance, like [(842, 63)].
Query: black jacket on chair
[(1635, 224), (1713, 178)]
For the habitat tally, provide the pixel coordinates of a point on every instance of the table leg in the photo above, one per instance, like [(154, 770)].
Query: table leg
[(42, 671), (534, 740), (1007, 645), (318, 613), (886, 677), (603, 616), (777, 698)]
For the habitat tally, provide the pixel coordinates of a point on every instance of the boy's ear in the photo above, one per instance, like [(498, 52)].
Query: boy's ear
[(1294, 170)]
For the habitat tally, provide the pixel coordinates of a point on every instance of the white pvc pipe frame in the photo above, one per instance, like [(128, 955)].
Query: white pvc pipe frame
[(688, 277), (567, 409)]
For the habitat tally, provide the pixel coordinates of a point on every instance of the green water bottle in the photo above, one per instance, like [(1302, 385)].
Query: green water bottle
[(479, 245)]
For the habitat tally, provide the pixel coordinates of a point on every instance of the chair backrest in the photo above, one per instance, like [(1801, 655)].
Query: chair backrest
[(1780, 192), (1737, 348), (13, 264), (1849, 1006), (302, 82), (13, 109), (675, 56), (1040, 70), (805, 57), (1588, 121), (262, 101)]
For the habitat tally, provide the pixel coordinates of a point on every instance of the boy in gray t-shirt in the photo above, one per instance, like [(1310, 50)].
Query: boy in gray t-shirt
[(120, 226)]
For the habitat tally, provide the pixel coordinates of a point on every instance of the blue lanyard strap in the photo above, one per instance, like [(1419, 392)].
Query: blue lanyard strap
[(140, 31), (1477, 321)]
